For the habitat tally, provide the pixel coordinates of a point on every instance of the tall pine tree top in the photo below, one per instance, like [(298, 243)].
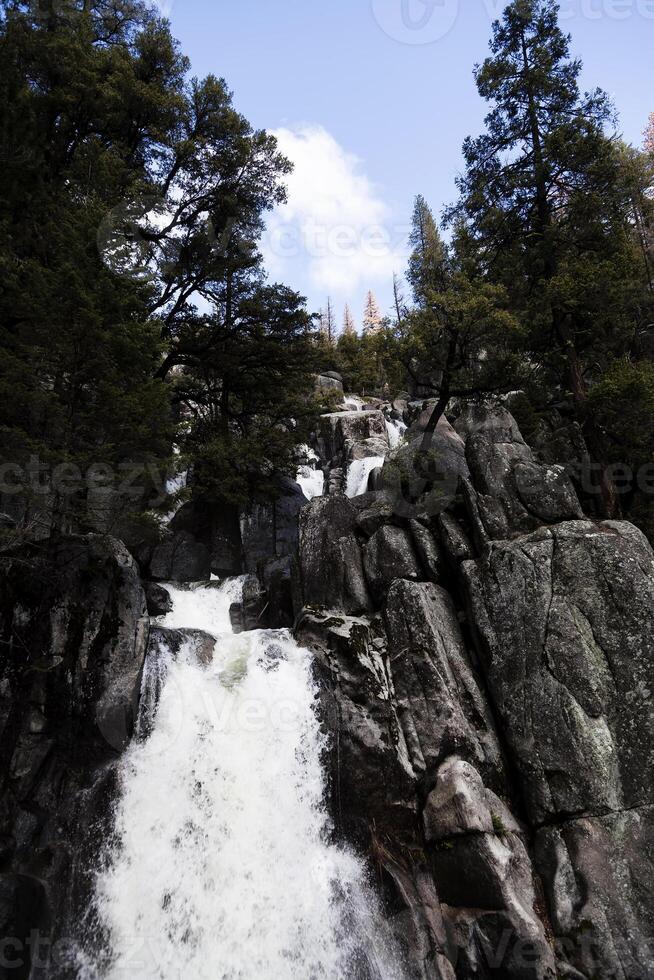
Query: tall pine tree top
[(427, 260), (372, 318), (348, 322)]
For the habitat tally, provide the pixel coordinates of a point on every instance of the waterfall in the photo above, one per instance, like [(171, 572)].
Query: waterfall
[(310, 477), (396, 431), (221, 865), (358, 474)]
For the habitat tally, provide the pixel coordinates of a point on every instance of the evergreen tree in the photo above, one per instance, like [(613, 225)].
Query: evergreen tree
[(426, 269), (86, 91), (542, 200), (649, 136), (461, 341), (348, 322), (372, 318), (128, 191)]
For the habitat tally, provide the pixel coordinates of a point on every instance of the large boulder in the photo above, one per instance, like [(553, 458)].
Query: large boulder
[(212, 541), (182, 558), (514, 492), (270, 529), (389, 555), (329, 566), (440, 702), (353, 435)]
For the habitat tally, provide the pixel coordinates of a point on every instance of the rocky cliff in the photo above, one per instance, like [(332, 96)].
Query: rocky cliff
[(485, 662)]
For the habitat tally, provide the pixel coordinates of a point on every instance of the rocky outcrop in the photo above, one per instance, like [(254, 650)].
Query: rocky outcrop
[(514, 492), (489, 704), (347, 436), (565, 618), (74, 632)]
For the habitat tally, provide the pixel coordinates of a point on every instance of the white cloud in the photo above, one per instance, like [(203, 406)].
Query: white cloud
[(335, 235)]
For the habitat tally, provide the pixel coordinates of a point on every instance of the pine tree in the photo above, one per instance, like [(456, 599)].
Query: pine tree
[(349, 328), (427, 262), (398, 302), (327, 324), (649, 136), (372, 318), (542, 200)]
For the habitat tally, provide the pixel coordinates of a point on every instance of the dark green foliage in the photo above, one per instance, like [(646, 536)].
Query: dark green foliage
[(130, 194), (552, 207)]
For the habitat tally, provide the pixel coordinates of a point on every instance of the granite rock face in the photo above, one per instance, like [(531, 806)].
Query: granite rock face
[(74, 629), (490, 710)]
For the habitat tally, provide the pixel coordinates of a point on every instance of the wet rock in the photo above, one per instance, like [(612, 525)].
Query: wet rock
[(198, 644), (276, 577), (250, 613), (24, 914), (74, 620), (342, 432), (159, 600)]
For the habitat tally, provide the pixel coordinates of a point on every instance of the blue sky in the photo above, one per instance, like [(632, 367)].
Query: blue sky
[(372, 99)]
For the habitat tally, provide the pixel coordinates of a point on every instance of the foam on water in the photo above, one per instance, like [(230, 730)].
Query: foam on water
[(358, 474), (221, 865)]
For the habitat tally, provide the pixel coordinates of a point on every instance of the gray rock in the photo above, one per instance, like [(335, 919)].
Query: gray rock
[(377, 512), (387, 556), (329, 566), (515, 493), (342, 432), (199, 644), (181, 559), (270, 530), (440, 704), (598, 874), (215, 528), (454, 539), (429, 552), (565, 619), (276, 577), (457, 804), (159, 600), (486, 888), (69, 695), (250, 613)]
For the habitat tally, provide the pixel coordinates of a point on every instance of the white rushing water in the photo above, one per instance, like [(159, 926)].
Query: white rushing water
[(221, 867), (310, 477), (396, 432), (358, 474)]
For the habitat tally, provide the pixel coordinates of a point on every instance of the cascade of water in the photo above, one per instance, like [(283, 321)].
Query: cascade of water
[(221, 865), (358, 474), (311, 478), (396, 431)]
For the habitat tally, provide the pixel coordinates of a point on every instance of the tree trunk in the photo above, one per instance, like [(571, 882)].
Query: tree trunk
[(434, 418)]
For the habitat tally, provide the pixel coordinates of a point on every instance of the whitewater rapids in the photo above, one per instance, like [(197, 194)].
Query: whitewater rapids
[(221, 865)]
